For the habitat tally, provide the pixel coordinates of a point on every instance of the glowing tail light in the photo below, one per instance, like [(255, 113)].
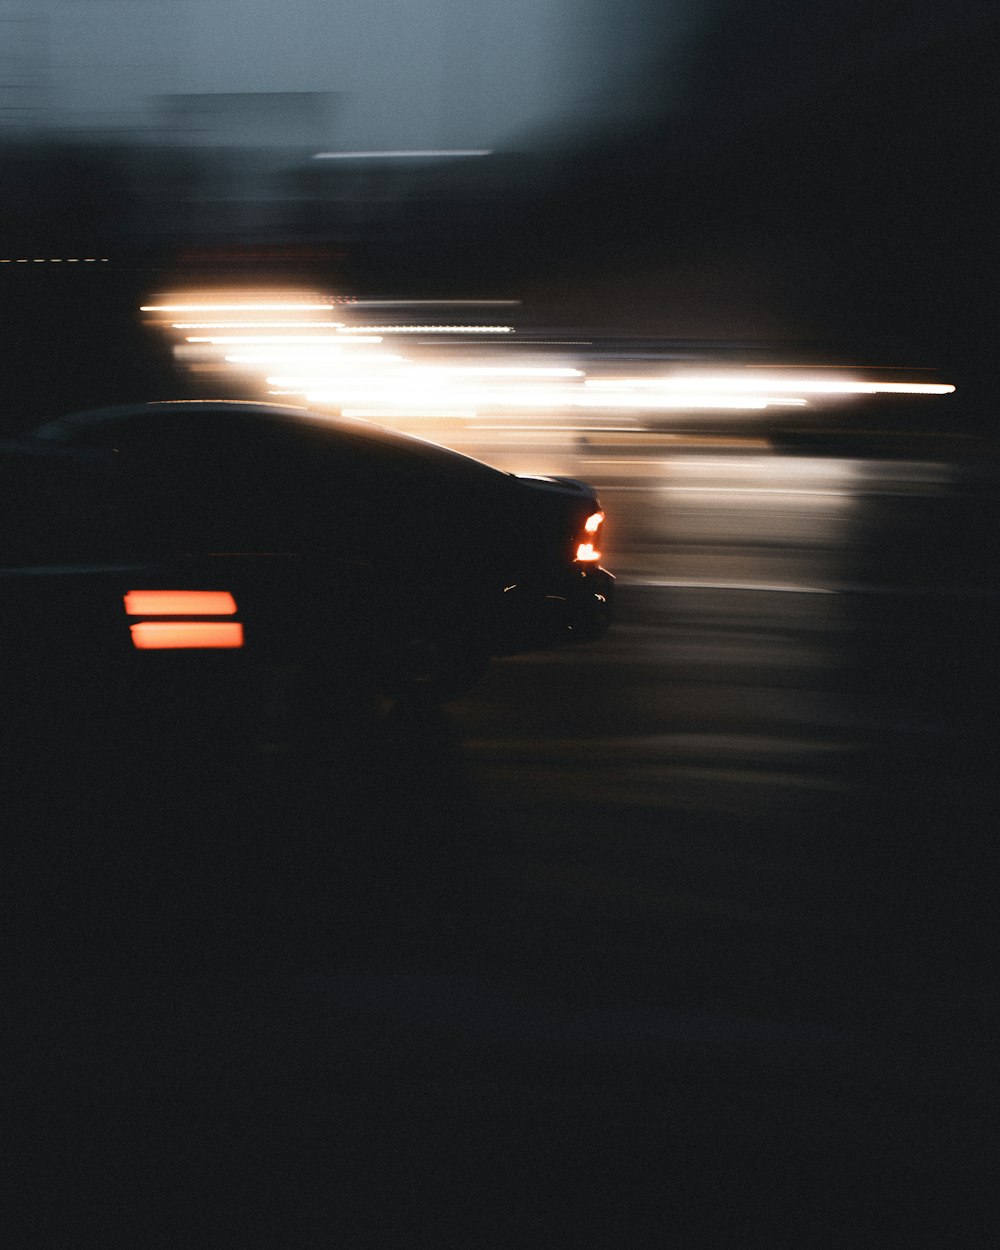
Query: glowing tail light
[(171, 635), (587, 551), (190, 634), (180, 603)]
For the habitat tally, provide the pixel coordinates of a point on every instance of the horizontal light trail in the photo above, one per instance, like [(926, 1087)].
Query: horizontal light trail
[(754, 490), (401, 154), (432, 329), (256, 325), (751, 384), (435, 303), (676, 583), (298, 306), (284, 339)]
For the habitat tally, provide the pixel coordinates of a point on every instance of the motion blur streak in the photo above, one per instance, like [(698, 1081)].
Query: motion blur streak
[(424, 303), (681, 401), (179, 603), (283, 338), (498, 371), (771, 383), (241, 307), (254, 325), (320, 355), (177, 635), (455, 384), (751, 383), (401, 154), (437, 329)]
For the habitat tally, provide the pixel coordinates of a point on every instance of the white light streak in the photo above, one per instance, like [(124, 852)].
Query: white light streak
[(496, 371), (254, 307), (753, 384), (577, 428), (436, 329), (402, 154), (320, 360), (427, 400), (256, 325), (652, 400), (335, 340), (756, 490), (435, 303), (398, 414)]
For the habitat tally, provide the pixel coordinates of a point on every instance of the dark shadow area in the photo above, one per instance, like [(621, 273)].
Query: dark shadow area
[(349, 967)]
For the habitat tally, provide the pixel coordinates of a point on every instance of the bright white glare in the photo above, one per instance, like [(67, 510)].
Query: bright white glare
[(438, 329), (370, 414), (578, 427), (321, 357), (438, 303), (256, 325), (757, 467), (283, 338), (424, 400), (497, 371), (268, 334), (257, 307), (404, 154), (750, 383), (647, 400), (755, 491)]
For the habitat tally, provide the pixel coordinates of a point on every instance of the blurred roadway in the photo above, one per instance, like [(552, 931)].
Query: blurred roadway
[(685, 931)]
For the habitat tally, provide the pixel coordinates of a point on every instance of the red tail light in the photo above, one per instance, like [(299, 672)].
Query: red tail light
[(168, 635), (180, 603), (586, 549)]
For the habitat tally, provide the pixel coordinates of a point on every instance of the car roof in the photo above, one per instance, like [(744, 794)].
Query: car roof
[(63, 427), (61, 430)]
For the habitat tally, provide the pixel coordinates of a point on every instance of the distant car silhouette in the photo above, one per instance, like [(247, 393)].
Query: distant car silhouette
[(221, 545)]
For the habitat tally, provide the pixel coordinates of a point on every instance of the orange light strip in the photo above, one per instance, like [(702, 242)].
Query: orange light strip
[(168, 635), (593, 522), (179, 603), (586, 552)]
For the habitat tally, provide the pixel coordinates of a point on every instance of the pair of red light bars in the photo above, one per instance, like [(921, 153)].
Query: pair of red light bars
[(180, 620)]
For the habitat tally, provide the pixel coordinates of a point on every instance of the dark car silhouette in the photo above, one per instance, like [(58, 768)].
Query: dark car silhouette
[(221, 550)]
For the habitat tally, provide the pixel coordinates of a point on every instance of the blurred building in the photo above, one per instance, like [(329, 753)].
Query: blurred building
[(245, 119), (426, 74)]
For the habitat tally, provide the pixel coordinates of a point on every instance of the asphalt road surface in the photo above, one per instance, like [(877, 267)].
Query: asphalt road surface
[(684, 937)]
